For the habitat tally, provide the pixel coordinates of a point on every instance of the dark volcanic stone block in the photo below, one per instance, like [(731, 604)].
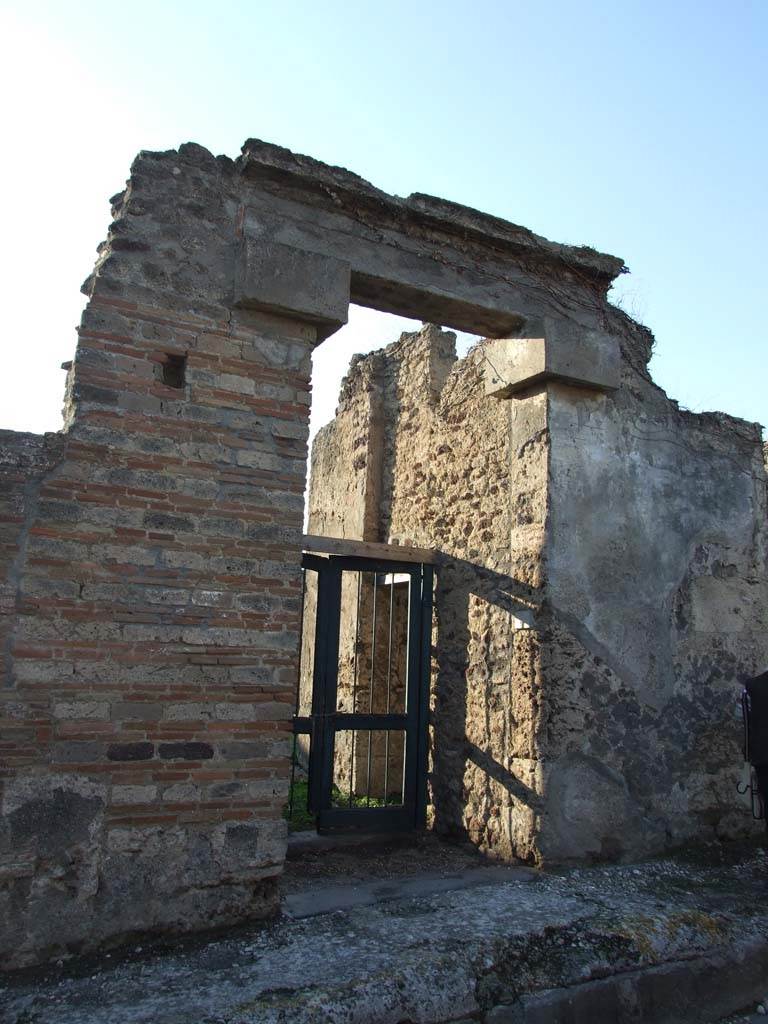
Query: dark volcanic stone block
[(186, 751)]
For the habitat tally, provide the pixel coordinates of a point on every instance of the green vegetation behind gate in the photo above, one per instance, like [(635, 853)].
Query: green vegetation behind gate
[(301, 820)]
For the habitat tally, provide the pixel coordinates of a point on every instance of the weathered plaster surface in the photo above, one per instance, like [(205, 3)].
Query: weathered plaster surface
[(465, 474), (657, 598)]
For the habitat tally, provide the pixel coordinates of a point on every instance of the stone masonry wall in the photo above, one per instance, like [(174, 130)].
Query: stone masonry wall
[(602, 554), (350, 471), (24, 461), (657, 608), (464, 474), (151, 596), (601, 592)]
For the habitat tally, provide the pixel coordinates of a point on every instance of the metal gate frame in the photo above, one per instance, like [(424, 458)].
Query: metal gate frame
[(325, 720)]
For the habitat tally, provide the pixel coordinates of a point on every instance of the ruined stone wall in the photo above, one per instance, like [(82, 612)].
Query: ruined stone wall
[(151, 595), (602, 590), (464, 474), (348, 462), (24, 460), (150, 553), (657, 607), (349, 466)]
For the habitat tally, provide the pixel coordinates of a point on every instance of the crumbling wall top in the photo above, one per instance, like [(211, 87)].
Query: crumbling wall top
[(284, 234), (345, 191), (281, 170)]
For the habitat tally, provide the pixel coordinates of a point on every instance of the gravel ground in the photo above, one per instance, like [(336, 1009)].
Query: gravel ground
[(691, 928)]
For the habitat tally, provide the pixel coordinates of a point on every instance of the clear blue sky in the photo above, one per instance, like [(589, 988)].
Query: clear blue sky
[(638, 128)]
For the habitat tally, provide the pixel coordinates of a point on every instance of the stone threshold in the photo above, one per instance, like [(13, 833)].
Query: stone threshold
[(331, 899)]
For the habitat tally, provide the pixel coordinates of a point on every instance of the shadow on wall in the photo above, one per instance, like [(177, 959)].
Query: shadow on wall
[(463, 808), (586, 770)]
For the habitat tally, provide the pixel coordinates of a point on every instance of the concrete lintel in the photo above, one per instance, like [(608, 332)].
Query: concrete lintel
[(555, 351), (281, 278)]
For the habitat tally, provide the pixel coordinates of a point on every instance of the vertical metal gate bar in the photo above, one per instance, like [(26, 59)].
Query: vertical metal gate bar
[(389, 682), (354, 689), (326, 679), (318, 695), (410, 778), (370, 694), (409, 694)]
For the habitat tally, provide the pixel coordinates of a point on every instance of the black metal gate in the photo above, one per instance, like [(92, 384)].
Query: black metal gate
[(361, 715)]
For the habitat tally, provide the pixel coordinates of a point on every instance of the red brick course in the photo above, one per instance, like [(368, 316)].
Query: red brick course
[(149, 561)]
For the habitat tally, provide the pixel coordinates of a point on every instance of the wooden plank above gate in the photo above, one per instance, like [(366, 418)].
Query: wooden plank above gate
[(366, 549)]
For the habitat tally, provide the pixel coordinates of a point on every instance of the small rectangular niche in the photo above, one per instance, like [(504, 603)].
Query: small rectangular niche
[(173, 370)]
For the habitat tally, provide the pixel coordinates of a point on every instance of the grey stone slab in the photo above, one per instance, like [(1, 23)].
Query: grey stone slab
[(344, 897), (337, 188), (683, 992), (397, 274), (577, 356), (283, 278)]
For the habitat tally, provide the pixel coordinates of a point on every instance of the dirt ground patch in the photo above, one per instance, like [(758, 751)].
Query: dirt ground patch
[(372, 859)]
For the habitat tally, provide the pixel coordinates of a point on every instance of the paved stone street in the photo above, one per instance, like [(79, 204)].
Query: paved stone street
[(668, 940)]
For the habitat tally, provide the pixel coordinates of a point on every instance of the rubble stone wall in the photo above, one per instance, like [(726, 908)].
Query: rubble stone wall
[(467, 475), (601, 592), (151, 550)]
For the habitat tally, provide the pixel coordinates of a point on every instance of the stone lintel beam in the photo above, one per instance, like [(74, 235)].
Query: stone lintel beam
[(389, 271), (283, 279), (553, 351), (418, 257), (433, 303), (312, 183)]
